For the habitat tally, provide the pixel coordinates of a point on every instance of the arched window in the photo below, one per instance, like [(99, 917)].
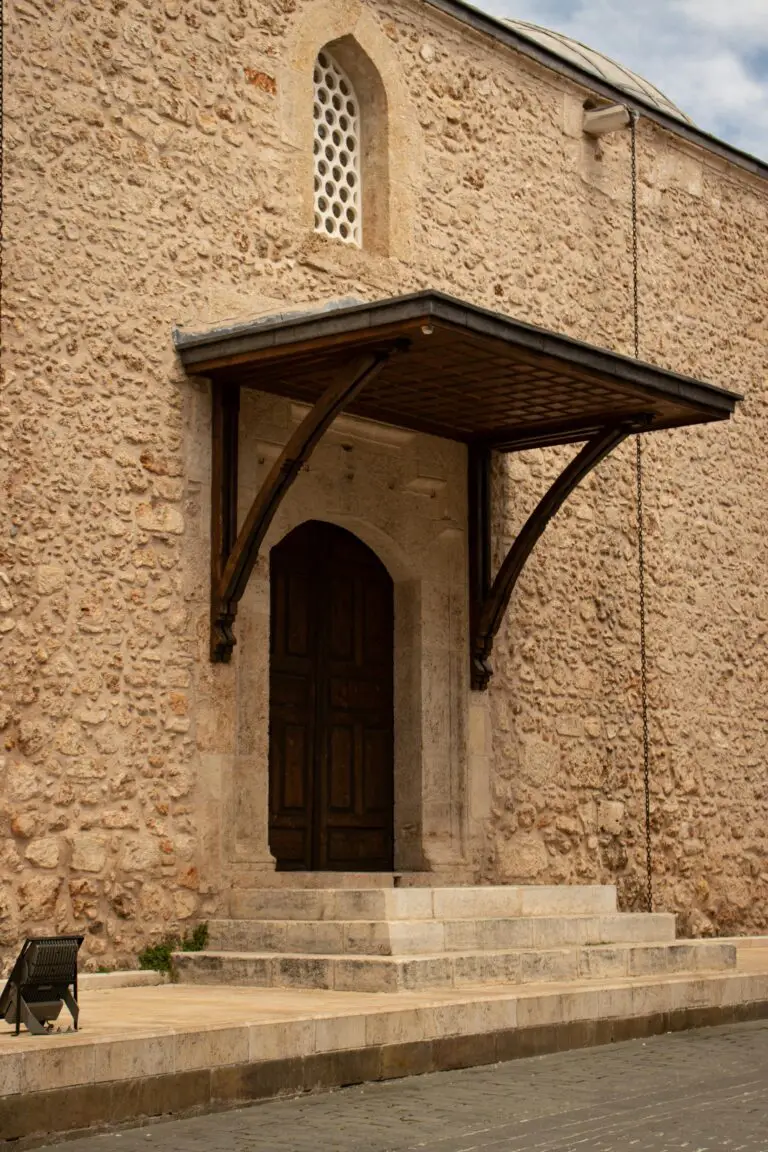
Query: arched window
[(338, 196)]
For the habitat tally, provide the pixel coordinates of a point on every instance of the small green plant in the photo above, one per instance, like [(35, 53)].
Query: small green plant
[(157, 957), (198, 940)]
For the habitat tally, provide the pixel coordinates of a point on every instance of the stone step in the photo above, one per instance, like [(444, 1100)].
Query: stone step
[(245, 876), (290, 881), (412, 937), (760, 942), (421, 903), (242, 876), (451, 970)]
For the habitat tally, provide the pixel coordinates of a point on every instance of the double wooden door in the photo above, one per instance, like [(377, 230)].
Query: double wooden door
[(331, 797)]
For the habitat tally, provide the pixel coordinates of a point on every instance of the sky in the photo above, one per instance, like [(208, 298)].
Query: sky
[(710, 57)]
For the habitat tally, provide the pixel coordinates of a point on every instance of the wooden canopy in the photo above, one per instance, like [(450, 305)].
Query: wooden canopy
[(466, 373), (438, 365)]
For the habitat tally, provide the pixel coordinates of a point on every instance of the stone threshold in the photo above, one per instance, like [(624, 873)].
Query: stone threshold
[(249, 877), (150, 1052)]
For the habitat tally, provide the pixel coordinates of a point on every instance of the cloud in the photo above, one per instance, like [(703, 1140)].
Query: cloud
[(708, 57), (739, 18)]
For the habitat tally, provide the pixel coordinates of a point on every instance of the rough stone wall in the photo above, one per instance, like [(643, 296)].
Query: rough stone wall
[(568, 789), (151, 153)]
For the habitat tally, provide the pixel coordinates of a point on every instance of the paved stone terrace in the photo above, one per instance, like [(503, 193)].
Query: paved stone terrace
[(703, 1090), (150, 1029), (149, 1051)]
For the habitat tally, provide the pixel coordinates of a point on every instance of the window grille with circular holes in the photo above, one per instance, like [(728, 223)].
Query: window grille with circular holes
[(337, 152)]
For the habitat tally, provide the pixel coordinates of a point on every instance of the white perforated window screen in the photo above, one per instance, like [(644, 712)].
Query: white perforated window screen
[(337, 153)]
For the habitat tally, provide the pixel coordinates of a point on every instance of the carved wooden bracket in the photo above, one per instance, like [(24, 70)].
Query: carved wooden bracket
[(489, 600), (234, 554)]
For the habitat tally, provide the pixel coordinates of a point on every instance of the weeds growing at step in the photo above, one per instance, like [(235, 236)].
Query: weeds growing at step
[(157, 957)]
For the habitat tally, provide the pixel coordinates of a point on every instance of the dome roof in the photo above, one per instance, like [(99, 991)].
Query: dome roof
[(599, 65)]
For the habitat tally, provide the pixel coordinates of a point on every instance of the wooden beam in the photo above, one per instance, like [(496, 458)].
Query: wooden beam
[(233, 579), (494, 607), (479, 540), (225, 404)]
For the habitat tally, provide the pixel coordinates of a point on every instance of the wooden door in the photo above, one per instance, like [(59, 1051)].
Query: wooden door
[(331, 703)]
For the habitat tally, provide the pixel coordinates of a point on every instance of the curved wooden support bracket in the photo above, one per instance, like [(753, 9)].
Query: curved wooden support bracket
[(489, 612), (236, 562)]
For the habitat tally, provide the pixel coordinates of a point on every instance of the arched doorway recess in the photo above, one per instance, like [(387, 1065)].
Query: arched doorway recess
[(331, 713)]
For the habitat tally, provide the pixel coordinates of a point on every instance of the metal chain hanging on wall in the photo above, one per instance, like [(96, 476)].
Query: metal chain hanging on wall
[(641, 536)]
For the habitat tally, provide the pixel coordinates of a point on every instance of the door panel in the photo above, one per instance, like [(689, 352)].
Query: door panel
[(292, 710), (377, 752), (295, 767), (353, 850), (342, 769), (331, 703), (297, 639)]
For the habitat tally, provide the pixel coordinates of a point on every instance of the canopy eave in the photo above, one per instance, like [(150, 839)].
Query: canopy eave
[(468, 374)]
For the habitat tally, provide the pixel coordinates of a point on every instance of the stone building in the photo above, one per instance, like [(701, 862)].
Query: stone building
[(177, 243)]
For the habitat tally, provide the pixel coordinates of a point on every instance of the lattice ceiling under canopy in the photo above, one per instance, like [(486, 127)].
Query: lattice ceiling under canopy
[(462, 372)]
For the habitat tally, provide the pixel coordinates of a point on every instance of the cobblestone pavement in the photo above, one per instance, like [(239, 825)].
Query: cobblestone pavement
[(694, 1091)]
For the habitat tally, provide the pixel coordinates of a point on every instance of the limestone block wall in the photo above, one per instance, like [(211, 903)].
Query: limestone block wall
[(156, 163)]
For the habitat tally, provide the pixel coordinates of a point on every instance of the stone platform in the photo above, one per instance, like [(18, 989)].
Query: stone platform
[(379, 939), (316, 986), (145, 1051)]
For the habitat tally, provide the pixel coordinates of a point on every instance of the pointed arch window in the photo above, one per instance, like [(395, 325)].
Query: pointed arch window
[(338, 196)]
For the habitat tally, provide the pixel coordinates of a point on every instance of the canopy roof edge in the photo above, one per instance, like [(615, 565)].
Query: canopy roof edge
[(468, 374)]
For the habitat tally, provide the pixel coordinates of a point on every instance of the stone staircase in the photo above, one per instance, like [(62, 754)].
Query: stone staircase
[(385, 939)]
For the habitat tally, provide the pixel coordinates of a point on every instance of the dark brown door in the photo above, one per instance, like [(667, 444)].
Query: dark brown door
[(331, 709)]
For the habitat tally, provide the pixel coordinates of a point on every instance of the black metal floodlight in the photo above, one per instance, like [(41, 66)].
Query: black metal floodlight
[(43, 980)]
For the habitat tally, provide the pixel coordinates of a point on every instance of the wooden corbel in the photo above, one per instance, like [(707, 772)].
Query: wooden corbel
[(490, 599), (233, 553)]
